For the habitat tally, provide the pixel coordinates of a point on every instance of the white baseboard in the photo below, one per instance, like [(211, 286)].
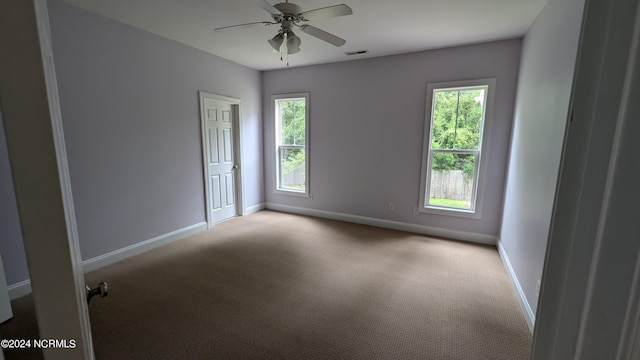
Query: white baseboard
[(254, 208), (19, 289), (24, 287), (529, 316), (144, 246), (388, 224)]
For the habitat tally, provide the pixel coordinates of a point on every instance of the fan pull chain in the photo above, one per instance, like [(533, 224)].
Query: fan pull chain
[(284, 50)]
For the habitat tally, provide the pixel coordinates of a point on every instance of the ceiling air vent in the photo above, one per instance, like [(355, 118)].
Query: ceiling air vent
[(359, 52)]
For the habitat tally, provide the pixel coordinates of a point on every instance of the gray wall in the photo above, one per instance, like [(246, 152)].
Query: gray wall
[(367, 121), (11, 248), (130, 109), (544, 89)]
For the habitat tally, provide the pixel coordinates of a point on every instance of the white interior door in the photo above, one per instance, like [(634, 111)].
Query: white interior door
[(220, 159)]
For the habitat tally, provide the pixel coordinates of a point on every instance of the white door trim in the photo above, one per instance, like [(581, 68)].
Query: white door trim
[(236, 105), (589, 304)]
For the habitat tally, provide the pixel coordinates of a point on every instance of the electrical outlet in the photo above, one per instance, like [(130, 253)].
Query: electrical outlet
[(392, 206), (310, 197), (415, 210), (538, 288)]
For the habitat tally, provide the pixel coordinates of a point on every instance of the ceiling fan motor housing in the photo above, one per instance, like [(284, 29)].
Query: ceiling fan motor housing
[(289, 12)]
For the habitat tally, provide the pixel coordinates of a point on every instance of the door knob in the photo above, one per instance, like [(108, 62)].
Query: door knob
[(235, 167), (102, 290)]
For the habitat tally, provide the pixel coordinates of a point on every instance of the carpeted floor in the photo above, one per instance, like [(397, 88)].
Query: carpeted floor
[(279, 286)]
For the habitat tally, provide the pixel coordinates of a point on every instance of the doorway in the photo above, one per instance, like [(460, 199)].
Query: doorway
[(220, 120)]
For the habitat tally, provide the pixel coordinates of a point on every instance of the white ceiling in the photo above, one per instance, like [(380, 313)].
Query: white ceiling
[(383, 27)]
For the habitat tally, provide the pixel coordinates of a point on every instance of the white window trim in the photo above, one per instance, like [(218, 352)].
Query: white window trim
[(480, 169), (277, 188)]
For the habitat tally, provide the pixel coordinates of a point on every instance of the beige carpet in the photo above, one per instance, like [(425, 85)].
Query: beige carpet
[(280, 286)]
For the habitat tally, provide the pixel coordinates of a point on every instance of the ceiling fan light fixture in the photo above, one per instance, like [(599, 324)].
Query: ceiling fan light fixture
[(293, 43), (276, 42)]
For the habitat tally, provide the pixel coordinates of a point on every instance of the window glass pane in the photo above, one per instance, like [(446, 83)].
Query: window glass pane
[(292, 169), (452, 180), (293, 121), (444, 119), (469, 124), (457, 119)]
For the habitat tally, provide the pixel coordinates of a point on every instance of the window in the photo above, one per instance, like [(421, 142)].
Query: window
[(292, 132), (457, 114)]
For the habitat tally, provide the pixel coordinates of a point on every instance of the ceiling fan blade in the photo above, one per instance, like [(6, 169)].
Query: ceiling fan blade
[(326, 12), (323, 35), (267, 7), (243, 26)]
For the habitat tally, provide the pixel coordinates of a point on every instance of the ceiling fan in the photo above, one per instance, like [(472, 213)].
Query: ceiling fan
[(288, 15)]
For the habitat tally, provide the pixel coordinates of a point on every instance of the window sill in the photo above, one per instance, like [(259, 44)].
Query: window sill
[(291, 193), (445, 211)]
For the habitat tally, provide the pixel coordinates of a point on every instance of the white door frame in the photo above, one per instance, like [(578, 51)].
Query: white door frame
[(37, 153), (589, 305), (236, 126)]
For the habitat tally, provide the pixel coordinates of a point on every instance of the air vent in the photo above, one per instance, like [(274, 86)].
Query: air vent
[(359, 52)]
